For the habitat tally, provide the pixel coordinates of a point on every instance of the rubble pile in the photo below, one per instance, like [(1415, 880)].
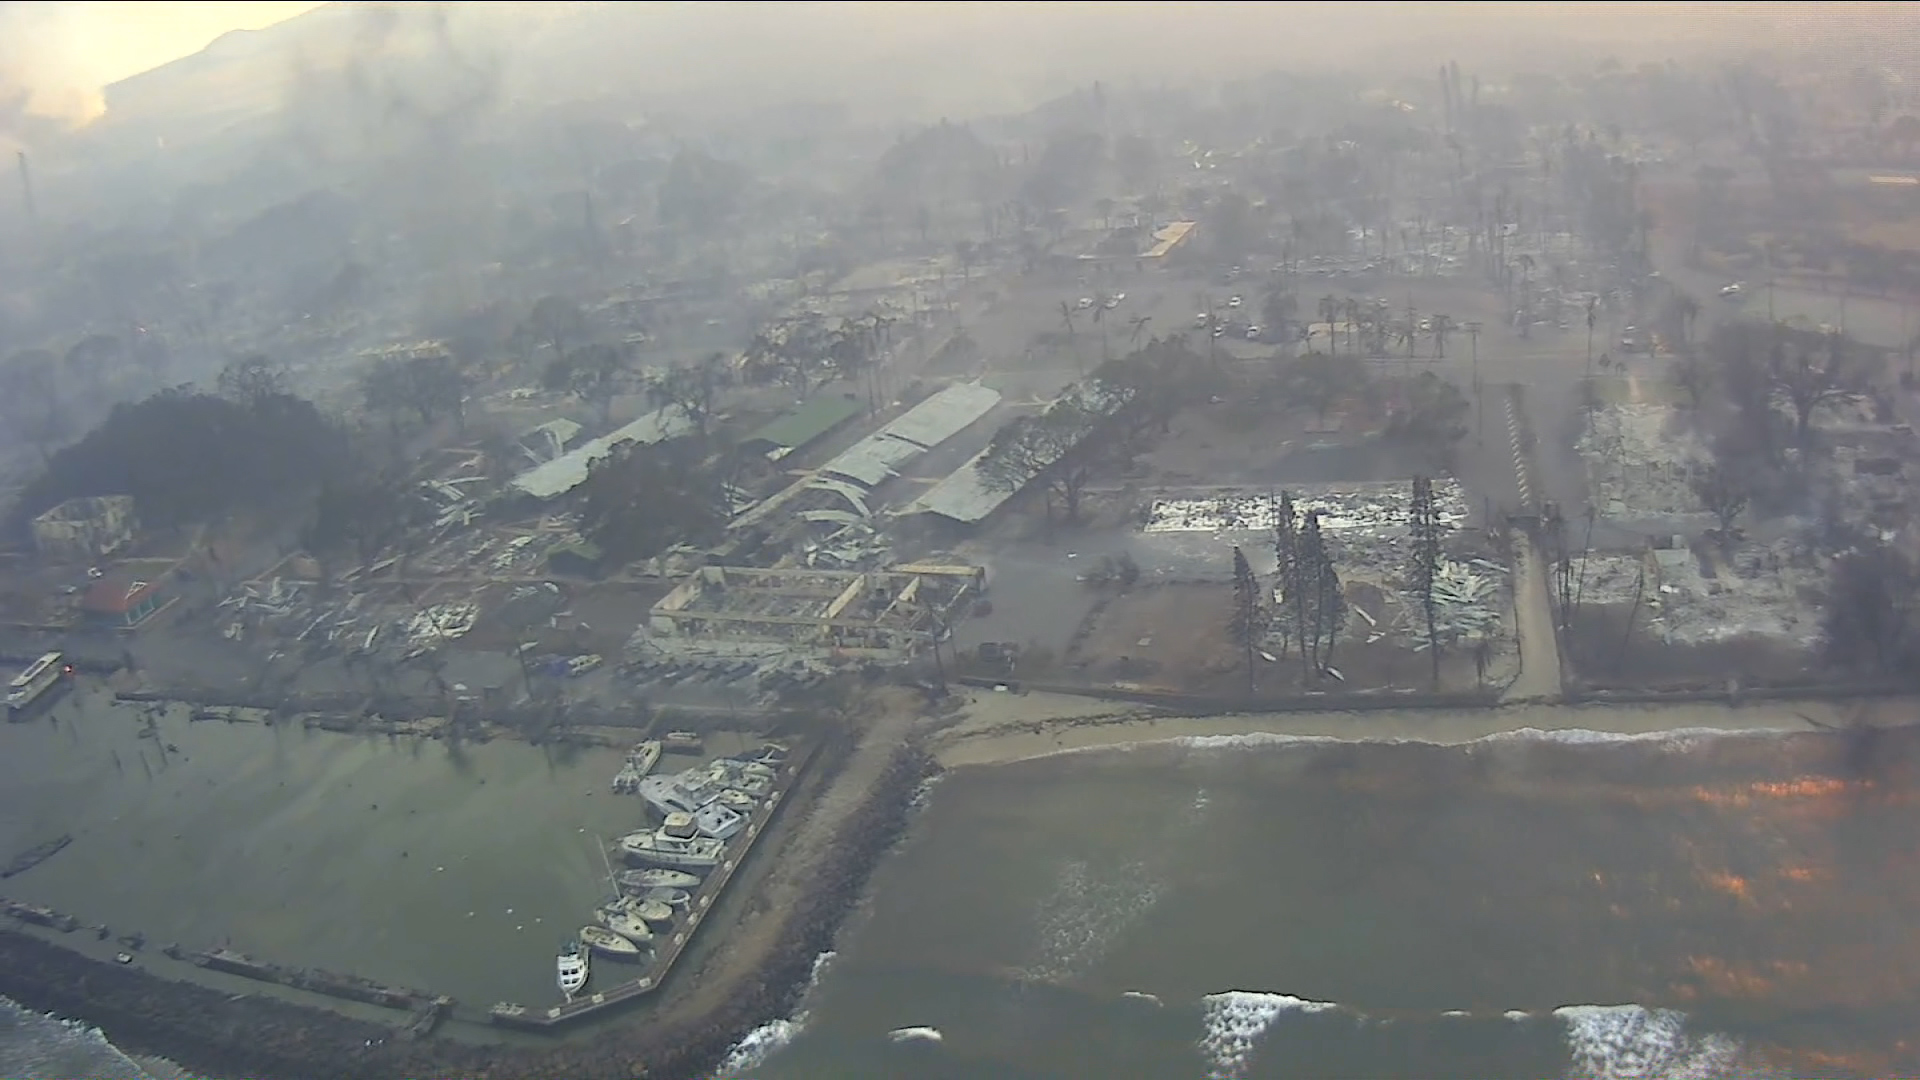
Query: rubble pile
[(1760, 592), (441, 622), (1372, 508), (1469, 598), (1366, 526), (1639, 461)]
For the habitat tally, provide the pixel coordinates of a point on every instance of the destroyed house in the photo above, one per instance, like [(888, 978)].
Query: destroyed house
[(85, 529)]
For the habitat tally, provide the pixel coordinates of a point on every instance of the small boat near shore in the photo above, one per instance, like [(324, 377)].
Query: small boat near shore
[(571, 968), (658, 878), (607, 943)]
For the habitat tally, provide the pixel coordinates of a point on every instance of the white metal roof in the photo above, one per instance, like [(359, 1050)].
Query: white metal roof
[(919, 429), (943, 415), (872, 459), (964, 496), (569, 470)]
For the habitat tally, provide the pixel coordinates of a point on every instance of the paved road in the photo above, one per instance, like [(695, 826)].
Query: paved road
[(1876, 321), (1539, 678)]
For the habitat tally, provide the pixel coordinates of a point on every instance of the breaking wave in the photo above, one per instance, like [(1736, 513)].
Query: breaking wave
[(1234, 1022), (1599, 1042), (41, 1044), (756, 1046), (1674, 738), (1627, 1042)]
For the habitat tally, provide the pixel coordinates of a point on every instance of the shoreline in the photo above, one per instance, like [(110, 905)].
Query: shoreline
[(215, 1032), (1043, 733)]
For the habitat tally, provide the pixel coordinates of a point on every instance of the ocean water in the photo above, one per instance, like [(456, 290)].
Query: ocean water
[(1693, 905)]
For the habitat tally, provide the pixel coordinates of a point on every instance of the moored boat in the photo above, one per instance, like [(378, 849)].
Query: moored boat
[(571, 968), (677, 899), (719, 821), (644, 756), (607, 943), (652, 911), (661, 848), (625, 923), (658, 878)]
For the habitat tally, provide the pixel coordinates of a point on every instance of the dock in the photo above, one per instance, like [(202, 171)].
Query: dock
[(332, 984), (508, 1014), (34, 856), (39, 916)]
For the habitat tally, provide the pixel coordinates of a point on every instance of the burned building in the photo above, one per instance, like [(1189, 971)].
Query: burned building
[(85, 529), (878, 615)]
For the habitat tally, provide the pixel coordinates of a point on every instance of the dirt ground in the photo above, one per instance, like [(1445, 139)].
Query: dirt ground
[(1174, 638), (1595, 654)]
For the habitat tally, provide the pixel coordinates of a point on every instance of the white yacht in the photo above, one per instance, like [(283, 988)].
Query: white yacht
[(642, 880), (661, 848), (571, 968), (719, 821), (679, 793)]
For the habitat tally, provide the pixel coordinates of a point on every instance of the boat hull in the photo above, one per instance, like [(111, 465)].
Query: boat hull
[(607, 943), (659, 879)]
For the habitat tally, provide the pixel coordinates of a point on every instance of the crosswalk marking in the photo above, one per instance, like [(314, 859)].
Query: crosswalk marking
[(1521, 477)]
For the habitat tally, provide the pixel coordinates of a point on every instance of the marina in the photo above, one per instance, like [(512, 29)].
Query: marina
[(668, 944)]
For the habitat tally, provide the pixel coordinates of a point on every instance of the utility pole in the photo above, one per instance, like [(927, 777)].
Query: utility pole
[(1479, 402)]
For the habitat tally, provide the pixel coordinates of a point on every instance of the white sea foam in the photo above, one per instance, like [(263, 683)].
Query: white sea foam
[(1673, 738), (756, 1046), (1517, 1015), (1087, 911), (916, 1034), (1677, 738), (1235, 1021), (1631, 1042), (42, 1044)]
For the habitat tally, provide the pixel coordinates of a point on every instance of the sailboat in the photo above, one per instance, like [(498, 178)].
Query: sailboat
[(570, 968)]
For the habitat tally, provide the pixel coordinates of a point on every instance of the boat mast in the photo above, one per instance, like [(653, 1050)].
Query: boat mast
[(608, 863)]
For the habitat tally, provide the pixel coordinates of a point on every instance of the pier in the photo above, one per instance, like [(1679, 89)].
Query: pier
[(34, 856), (39, 916), (508, 1014), (332, 984)]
